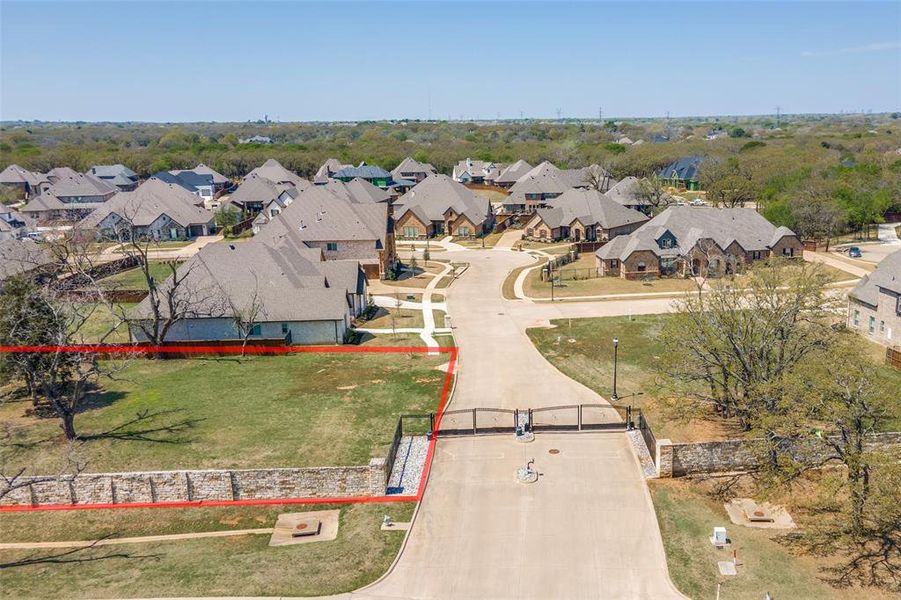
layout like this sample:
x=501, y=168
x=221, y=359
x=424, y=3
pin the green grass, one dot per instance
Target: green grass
x=386, y=318
x=239, y=566
x=294, y=411
x=133, y=279
x=101, y=320
x=489, y=240
x=583, y=350
x=687, y=518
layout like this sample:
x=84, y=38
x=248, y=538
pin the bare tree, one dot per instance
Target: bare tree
x=816, y=215
x=597, y=178
x=246, y=314
x=652, y=192
x=728, y=183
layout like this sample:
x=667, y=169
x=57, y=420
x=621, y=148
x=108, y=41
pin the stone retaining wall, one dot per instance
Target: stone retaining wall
x=677, y=460
x=192, y=486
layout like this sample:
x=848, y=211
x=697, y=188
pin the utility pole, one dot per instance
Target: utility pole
x=559, y=112
x=600, y=114
x=778, y=112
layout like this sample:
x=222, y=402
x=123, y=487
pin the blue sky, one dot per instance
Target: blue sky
x=234, y=61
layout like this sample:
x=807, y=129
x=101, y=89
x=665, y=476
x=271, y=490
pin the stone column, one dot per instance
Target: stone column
x=664, y=458
x=378, y=476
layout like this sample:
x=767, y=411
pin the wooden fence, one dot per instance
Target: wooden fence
x=893, y=357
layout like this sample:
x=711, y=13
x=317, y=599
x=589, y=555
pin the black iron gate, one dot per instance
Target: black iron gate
x=570, y=417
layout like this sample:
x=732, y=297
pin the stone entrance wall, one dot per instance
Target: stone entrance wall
x=193, y=486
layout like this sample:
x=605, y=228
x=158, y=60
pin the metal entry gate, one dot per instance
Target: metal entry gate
x=570, y=417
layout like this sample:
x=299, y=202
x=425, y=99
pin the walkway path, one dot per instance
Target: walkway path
x=174, y=537
x=586, y=529
x=888, y=233
x=826, y=259
x=182, y=253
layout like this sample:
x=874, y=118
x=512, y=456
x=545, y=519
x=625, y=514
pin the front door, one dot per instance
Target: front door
x=173, y=233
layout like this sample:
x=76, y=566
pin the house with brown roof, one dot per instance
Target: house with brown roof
x=155, y=210
x=287, y=293
x=582, y=215
x=342, y=228
x=687, y=241
x=68, y=196
x=438, y=205
x=874, y=305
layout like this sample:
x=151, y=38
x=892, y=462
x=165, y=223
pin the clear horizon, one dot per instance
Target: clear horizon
x=233, y=62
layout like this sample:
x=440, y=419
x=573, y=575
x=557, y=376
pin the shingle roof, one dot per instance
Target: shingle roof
x=409, y=165
x=686, y=168
x=887, y=276
x=690, y=224
x=276, y=173
x=256, y=188
x=16, y=174
x=365, y=171
x=151, y=199
x=430, y=198
x=547, y=179
x=319, y=215
x=112, y=172
x=64, y=182
x=21, y=256
x=512, y=173
x=330, y=166
x=357, y=190
x=285, y=284
x=187, y=180
x=627, y=192
x=589, y=207
x=202, y=169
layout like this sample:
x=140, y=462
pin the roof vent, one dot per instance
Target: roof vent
x=302, y=226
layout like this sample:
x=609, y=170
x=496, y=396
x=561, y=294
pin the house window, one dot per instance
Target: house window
x=871, y=324
x=788, y=251
x=410, y=232
x=284, y=329
x=642, y=267
x=256, y=330
x=857, y=318
x=331, y=246
x=898, y=306
x=464, y=231
x=881, y=326
x=614, y=263
x=757, y=255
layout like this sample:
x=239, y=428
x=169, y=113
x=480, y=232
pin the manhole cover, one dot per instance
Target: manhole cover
x=553, y=451
x=758, y=513
x=302, y=526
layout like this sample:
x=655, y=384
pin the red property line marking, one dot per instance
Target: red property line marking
x=119, y=349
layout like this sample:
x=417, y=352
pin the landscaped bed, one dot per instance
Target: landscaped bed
x=240, y=565
x=299, y=410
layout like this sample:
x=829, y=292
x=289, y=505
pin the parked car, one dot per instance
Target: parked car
x=697, y=202
x=854, y=252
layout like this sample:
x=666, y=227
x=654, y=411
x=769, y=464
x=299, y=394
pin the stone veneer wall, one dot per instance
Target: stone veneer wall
x=193, y=486
x=677, y=460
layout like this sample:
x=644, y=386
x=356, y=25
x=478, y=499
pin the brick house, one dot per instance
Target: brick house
x=582, y=214
x=68, y=196
x=438, y=205
x=685, y=241
x=874, y=305
x=546, y=181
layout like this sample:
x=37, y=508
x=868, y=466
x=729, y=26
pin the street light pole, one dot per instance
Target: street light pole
x=615, y=352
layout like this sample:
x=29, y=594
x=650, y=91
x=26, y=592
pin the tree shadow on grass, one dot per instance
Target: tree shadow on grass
x=81, y=554
x=150, y=426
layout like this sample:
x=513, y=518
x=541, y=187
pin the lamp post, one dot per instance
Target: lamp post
x=615, y=352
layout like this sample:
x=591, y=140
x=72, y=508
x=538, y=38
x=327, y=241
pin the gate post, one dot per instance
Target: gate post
x=474, y=427
x=629, y=418
x=580, y=417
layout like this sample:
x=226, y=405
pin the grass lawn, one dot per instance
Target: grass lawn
x=687, y=518
x=550, y=248
x=297, y=410
x=133, y=279
x=507, y=287
x=852, y=261
x=424, y=274
x=386, y=318
x=583, y=350
x=233, y=566
x=101, y=320
x=591, y=285
x=490, y=240
x=493, y=196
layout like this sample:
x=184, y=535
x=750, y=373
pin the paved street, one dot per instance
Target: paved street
x=586, y=529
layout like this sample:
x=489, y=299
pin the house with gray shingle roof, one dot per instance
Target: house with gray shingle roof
x=328, y=168
x=511, y=174
x=220, y=181
x=287, y=293
x=26, y=183
x=23, y=256
x=582, y=215
x=476, y=171
x=154, y=210
x=342, y=225
x=14, y=224
x=686, y=240
x=119, y=175
x=438, y=205
x=374, y=174
x=545, y=182
x=412, y=170
x=874, y=305
x=264, y=186
x=69, y=196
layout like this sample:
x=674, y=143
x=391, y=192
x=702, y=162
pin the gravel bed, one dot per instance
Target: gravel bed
x=408, y=465
x=644, y=457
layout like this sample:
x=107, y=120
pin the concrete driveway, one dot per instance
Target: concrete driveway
x=586, y=529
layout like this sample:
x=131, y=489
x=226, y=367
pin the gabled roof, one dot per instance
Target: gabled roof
x=112, y=172
x=64, y=182
x=513, y=172
x=148, y=202
x=14, y=174
x=283, y=284
x=685, y=168
x=627, y=192
x=21, y=256
x=189, y=180
x=486, y=169
x=689, y=225
x=590, y=208
x=546, y=178
x=357, y=190
x=256, y=188
x=365, y=171
x=409, y=165
x=330, y=166
x=430, y=198
x=887, y=276
x=319, y=215
x=276, y=173
x=202, y=169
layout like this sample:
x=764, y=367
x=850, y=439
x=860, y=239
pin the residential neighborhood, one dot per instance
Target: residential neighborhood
x=293, y=306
